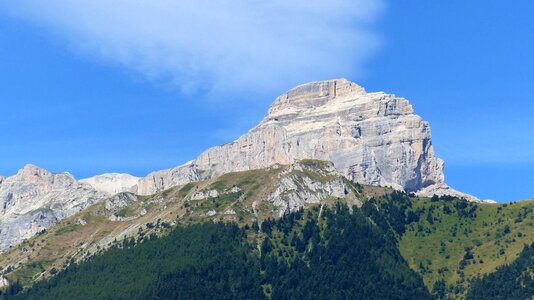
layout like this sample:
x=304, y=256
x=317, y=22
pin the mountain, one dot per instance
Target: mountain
x=113, y=183
x=336, y=192
x=372, y=139
x=241, y=197
x=34, y=199
x=449, y=242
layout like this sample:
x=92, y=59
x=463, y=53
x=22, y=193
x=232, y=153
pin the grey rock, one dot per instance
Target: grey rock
x=443, y=189
x=372, y=138
x=113, y=183
x=3, y=282
x=119, y=201
x=35, y=199
x=295, y=191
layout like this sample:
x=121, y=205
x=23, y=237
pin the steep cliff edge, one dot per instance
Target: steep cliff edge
x=372, y=138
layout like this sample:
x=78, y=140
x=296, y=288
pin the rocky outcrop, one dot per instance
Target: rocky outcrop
x=442, y=190
x=113, y=183
x=162, y=180
x=372, y=138
x=119, y=201
x=296, y=189
x=287, y=188
x=3, y=282
x=34, y=199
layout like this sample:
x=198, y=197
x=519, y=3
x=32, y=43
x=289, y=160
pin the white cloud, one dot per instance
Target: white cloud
x=214, y=45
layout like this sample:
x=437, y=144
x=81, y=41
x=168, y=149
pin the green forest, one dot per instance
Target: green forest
x=514, y=281
x=336, y=253
x=396, y=246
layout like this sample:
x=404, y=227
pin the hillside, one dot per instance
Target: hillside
x=237, y=197
x=449, y=242
x=515, y=280
x=35, y=199
x=324, y=253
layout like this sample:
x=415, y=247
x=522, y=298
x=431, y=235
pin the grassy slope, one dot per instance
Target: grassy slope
x=512, y=281
x=496, y=234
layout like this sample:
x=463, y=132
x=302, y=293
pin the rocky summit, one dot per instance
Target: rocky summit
x=372, y=138
x=113, y=183
x=34, y=199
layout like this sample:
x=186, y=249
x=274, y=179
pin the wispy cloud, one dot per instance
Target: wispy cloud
x=214, y=45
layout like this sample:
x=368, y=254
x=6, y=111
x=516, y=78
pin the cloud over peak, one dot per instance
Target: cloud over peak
x=201, y=45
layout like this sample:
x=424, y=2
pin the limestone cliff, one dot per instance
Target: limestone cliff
x=372, y=138
x=34, y=199
x=113, y=183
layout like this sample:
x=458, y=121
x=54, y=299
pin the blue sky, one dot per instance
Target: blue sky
x=88, y=88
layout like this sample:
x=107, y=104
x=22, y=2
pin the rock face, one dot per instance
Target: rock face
x=372, y=138
x=113, y=183
x=295, y=191
x=119, y=201
x=34, y=199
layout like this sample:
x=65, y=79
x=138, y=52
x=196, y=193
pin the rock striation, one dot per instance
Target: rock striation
x=371, y=138
x=296, y=190
x=113, y=183
x=35, y=199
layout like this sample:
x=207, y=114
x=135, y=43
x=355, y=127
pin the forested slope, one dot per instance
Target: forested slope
x=513, y=281
x=337, y=255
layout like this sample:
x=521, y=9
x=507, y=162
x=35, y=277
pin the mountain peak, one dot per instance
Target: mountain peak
x=113, y=183
x=34, y=199
x=371, y=138
x=314, y=94
x=32, y=171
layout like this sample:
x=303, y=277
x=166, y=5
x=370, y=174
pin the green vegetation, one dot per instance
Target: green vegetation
x=186, y=189
x=128, y=211
x=514, y=281
x=211, y=260
x=451, y=242
x=340, y=255
x=67, y=229
x=217, y=203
